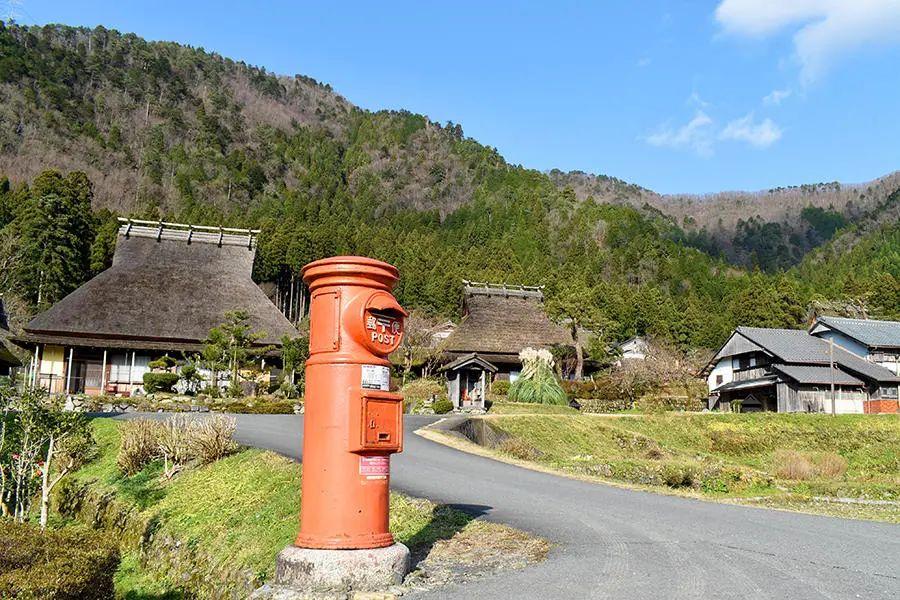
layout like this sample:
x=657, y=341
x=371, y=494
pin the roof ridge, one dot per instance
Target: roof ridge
x=187, y=232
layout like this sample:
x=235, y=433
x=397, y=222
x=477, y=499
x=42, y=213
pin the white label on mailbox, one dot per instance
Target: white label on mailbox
x=376, y=377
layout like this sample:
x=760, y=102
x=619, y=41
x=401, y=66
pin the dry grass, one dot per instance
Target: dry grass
x=211, y=439
x=139, y=447
x=490, y=545
x=518, y=448
x=799, y=466
x=177, y=440
x=790, y=464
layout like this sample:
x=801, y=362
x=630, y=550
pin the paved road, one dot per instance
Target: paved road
x=621, y=544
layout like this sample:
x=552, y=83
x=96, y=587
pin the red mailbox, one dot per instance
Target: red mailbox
x=353, y=422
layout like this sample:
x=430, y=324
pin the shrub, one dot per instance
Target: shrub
x=67, y=564
x=256, y=408
x=173, y=440
x=210, y=439
x=163, y=362
x=791, y=464
x=155, y=383
x=657, y=404
x=830, y=465
x=178, y=441
x=138, y=447
x=417, y=393
x=500, y=387
x=537, y=383
x=442, y=406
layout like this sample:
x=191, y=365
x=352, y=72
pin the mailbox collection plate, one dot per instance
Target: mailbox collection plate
x=378, y=419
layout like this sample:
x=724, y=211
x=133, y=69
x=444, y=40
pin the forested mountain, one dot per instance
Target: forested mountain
x=163, y=131
x=770, y=229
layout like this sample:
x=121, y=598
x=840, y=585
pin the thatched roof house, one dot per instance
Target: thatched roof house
x=169, y=284
x=8, y=359
x=498, y=322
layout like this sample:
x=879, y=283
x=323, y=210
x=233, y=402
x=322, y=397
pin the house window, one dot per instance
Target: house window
x=743, y=362
x=888, y=392
x=720, y=379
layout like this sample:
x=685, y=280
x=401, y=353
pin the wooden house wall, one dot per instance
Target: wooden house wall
x=793, y=398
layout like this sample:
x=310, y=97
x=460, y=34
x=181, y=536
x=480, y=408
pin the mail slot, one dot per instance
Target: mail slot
x=352, y=421
x=379, y=419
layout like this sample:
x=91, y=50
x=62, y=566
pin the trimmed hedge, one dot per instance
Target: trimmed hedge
x=257, y=408
x=442, y=406
x=653, y=404
x=66, y=564
x=155, y=383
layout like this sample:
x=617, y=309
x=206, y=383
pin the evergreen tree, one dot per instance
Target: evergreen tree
x=55, y=230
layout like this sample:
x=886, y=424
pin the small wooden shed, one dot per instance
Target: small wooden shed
x=468, y=378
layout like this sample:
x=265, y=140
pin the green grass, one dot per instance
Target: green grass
x=133, y=582
x=524, y=408
x=724, y=456
x=242, y=509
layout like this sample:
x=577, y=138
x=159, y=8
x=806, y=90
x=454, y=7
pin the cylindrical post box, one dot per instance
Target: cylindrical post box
x=352, y=421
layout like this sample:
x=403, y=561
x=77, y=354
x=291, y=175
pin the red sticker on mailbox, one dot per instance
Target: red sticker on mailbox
x=375, y=467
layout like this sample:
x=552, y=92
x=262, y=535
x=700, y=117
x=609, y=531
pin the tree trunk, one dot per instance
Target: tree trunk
x=45, y=485
x=579, y=354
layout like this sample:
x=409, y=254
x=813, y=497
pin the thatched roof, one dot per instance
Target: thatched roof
x=6, y=355
x=500, y=320
x=167, y=287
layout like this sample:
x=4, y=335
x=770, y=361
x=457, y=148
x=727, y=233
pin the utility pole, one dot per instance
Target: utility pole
x=831, y=365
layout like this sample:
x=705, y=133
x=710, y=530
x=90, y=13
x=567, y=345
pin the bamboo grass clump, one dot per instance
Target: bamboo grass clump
x=537, y=383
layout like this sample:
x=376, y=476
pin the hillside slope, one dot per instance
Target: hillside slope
x=165, y=131
x=770, y=229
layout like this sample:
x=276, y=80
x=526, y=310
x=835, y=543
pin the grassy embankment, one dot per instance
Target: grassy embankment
x=243, y=510
x=845, y=466
x=521, y=408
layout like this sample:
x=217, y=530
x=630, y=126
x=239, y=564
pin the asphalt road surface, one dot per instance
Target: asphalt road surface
x=621, y=544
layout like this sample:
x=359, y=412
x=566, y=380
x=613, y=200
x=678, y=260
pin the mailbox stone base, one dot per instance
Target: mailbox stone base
x=313, y=570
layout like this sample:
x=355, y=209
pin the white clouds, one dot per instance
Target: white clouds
x=695, y=135
x=775, y=97
x=644, y=61
x=760, y=135
x=827, y=28
x=695, y=100
x=701, y=134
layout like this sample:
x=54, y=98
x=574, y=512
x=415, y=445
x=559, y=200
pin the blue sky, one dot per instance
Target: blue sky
x=675, y=96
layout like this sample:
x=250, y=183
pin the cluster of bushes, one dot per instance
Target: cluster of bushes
x=65, y=564
x=419, y=394
x=604, y=405
x=652, y=403
x=500, y=387
x=799, y=466
x=255, y=408
x=617, y=392
x=160, y=383
x=710, y=478
x=177, y=441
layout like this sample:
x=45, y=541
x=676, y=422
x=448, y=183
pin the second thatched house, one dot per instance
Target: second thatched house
x=499, y=321
x=8, y=360
x=169, y=284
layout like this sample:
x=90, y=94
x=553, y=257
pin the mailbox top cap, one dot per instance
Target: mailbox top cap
x=350, y=270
